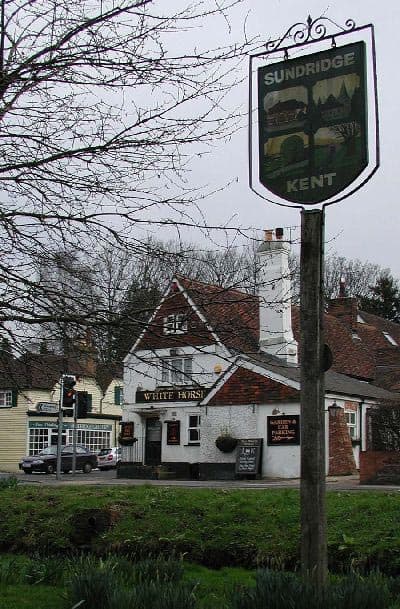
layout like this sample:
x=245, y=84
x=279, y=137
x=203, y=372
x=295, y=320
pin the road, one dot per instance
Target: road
x=109, y=477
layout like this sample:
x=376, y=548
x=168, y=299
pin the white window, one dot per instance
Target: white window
x=175, y=324
x=38, y=439
x=194, y=429
x=351, y=420
x=5, y=399
x=94, y=440
x=176, y=371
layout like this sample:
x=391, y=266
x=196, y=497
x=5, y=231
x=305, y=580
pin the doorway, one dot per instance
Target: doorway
x=153, y=442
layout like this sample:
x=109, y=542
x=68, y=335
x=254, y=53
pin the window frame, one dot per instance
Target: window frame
x=176, y=374
x=176, y=323
x=8, y=395
x=118, y=395
x=352, y=427
x=196, y=427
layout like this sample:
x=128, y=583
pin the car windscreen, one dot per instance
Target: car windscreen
x=104, y=451
x=50, y=450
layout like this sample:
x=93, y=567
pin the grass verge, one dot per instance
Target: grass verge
x=211, y=527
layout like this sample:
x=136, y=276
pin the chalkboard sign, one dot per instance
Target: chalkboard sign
x=283, y=430
x=248, y=456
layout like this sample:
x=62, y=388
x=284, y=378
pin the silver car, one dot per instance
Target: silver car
x=108, y=458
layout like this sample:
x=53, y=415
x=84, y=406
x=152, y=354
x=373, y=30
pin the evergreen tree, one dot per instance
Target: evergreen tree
x=385, y=298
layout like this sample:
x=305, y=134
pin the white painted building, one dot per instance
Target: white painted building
x=215, y=361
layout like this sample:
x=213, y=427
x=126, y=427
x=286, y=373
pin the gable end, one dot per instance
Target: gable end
x=248, y=387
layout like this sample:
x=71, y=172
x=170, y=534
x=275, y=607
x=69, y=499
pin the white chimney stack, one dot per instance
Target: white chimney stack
x=276, y=335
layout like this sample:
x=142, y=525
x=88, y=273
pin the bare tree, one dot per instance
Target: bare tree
x=102, y=104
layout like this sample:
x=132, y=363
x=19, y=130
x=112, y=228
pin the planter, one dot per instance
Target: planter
x=126, y=441
x=226, y=444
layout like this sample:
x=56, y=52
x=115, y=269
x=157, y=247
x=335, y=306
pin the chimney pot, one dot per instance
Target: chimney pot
x=268, y=235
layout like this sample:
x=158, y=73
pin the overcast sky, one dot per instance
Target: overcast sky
x=364, y=226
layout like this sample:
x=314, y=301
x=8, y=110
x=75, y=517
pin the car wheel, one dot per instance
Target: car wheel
x=27, y=471
x=50, y=469
x=65, y=471
x=87, y=468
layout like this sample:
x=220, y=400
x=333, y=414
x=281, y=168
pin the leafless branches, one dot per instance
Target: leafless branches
x=101, y=106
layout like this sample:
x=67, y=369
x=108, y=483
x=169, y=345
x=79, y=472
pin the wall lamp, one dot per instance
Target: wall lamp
x=334, y=410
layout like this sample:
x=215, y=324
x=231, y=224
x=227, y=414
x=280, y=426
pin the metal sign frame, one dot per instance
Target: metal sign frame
x=296, y=37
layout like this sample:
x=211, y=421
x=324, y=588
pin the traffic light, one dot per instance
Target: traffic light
x=69, y=394
x=82, y=404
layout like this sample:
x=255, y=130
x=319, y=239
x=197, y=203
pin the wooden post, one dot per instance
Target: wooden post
x=312, y=487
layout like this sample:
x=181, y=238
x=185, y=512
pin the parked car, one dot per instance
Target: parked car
x=108, y=458
x=46, y=460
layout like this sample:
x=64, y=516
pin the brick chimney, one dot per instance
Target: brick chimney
x=276, y=335
x=344, y=308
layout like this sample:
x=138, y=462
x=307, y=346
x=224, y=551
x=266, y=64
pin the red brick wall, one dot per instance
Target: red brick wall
x=379, y=467
x=248, y=387
x=345, y=309
x=341, y=458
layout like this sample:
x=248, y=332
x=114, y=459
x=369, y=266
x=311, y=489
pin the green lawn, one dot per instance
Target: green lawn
x=211, y=527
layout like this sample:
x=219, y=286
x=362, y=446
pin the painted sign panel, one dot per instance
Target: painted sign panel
x=127, y=430
x=313, y=124
x=283, y=430
x=173, y=432
x=169, y=394
x=248, y=456
x=51, y=425
x=48, y=407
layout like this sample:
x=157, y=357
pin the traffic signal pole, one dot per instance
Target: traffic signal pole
x=60, y=428
x=74, y=435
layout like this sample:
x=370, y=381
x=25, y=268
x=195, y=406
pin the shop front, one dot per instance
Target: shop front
x=45, y=433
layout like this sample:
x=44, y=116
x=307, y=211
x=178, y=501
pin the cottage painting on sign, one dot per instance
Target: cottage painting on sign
x=313, y=124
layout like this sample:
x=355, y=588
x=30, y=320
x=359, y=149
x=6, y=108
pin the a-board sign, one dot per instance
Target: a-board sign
x=313, y=124
x=248, y=456
x=283, y=430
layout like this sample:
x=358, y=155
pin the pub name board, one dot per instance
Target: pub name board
x=313, y=124
x=283, y=430
x=188, y=394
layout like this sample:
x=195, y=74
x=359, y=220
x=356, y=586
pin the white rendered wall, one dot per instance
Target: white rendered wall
x=141, y=370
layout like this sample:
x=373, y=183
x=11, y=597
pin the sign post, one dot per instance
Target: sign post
x=315, y=147
x=312, y=400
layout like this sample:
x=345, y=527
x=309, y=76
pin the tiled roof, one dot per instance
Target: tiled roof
x=232, y=314
x=350, y=355
x=334, y=381
x=42, y=371
x=378, y=336
x=360, y=350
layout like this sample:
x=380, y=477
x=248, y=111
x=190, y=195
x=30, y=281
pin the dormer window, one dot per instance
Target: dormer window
x=390, y=339
x=175, y=324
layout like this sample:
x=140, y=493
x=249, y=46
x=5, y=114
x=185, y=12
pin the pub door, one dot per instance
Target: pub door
x=153, y=442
